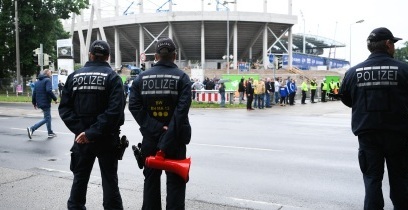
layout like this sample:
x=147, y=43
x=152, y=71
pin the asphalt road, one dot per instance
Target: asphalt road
x=297, y=157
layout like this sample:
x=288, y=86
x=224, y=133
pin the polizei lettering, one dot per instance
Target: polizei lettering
x=92, y=80
x=160, y=84
x=377, y=75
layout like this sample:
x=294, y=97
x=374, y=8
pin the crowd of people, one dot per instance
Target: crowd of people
x=264, y=93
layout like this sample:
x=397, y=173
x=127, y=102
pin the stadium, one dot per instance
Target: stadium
x=219, y=38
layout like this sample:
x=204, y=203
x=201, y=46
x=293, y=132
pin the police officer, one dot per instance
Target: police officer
x=377, y=92
x=313, y=87
x=92, y=107
x=323, y=87
x=304, y=91
x=160, y=100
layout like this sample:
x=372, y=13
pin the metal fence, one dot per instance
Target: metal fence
x=10, y=86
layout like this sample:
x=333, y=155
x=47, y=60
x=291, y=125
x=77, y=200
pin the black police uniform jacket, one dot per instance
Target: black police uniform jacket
x=161, y=96
x=93, y=102
x=377, y=92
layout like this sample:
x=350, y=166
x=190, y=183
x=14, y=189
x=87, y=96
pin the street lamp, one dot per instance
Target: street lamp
x=228, y=39
x=360, y=21
x=304, y=31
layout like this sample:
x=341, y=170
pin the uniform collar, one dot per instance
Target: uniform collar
x=379, y=54
x=97, y=63
x=166, y=63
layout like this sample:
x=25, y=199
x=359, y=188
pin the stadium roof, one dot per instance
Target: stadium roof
x=186, y=29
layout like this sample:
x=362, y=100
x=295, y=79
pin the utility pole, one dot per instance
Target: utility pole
x=41, y=58
x=17, y=43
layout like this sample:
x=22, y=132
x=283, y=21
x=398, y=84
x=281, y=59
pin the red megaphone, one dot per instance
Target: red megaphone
x=179, y=167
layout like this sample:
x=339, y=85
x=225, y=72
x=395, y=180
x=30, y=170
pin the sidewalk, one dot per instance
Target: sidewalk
x=33, y=190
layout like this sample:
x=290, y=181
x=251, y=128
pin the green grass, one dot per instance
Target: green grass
x=194, y=104
x=14, y=98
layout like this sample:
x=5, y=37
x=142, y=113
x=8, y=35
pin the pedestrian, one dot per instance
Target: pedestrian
x=250, y=94
x=221, y=90
x=276, y=94
x=292, y=92
x=304, y=91
x=162, y=114
x=197, y=85
x=379, y=103
x=126, y=88
x=60, y=86
x=41, y=98
x=32, y=85
x=92, y=107
x=269, y=92
x=241, y=90
x=283, y=92
x=260, y=92
x=324, y=87
x=313, y=87
x=255, y=85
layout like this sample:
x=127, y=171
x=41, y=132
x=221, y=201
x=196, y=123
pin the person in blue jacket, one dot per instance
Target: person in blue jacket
x=283, y=92
x=42, y=96
x=292, y=92
x=377, y=92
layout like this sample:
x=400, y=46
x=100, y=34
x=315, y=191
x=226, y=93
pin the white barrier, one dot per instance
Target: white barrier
x=212, y=96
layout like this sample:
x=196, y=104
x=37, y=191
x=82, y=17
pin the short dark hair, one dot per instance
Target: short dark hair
x=166, y=56
x=377, y=46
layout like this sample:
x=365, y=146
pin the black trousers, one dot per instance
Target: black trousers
x=250, y=98
x=82, y=160
x=323, y=95
x=374, y=149
x=176, y=186
x=303, y=97
x=292, y=98
x=312, y=95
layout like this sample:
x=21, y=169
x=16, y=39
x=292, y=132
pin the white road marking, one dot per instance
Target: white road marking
x=25, y=129
x=64, y=172
x=236, y=147
x=4, y=118
x=55, y=170
x=261, y=202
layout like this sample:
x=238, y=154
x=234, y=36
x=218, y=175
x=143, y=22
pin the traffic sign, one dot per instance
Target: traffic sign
x=142, y=57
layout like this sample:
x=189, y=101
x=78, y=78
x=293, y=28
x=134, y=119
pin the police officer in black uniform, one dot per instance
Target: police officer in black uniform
x=92, y=107
x=160, y=100
x=377, y=92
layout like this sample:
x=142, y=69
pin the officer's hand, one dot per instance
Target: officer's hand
x=82, y=139
x=35, y=106
x=160, y=154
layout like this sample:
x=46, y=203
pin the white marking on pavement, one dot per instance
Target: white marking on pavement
x=261, y=202
x=64, y=172
x=25, y=129
x=236, y=147
x=4, y=118
x=55, y=170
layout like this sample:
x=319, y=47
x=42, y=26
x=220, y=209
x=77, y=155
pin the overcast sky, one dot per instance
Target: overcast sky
x=328, y=18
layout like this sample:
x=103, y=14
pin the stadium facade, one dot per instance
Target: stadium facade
x=205, y=39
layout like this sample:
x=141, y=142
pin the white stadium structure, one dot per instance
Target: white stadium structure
x=203, y=38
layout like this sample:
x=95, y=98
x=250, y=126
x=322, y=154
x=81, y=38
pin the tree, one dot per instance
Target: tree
x=39, y=23
x=402, y=53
